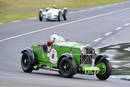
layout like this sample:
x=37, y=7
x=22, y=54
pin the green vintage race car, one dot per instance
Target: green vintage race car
x=68, y=58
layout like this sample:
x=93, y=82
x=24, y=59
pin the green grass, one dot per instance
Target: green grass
x=11, y=16
x=6, y=16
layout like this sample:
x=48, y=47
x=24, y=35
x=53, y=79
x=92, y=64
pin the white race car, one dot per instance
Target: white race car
x=53, y=14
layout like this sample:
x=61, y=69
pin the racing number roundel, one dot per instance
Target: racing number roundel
x=53, y=56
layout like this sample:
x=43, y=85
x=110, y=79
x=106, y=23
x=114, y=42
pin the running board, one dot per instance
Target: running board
x=50, y=68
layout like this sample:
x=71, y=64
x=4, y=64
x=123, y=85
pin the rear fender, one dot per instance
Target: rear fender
x=31, y=54
x=65, y=10
x=67, y=55
x=41, y=10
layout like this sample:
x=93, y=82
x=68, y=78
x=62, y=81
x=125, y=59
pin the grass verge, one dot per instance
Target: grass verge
x=12, y=16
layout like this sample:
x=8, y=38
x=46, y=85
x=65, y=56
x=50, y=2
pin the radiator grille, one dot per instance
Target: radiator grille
x=87, y=54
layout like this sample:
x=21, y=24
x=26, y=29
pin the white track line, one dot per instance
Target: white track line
x=71, y=12
x=31, y=18
x=115, y=4
x=123, y=2
x=98, y=39
x=82, y=10
x=105, y=6
x=108, y=5
x=109, y=33
x=1, y=23
x=91, y=8
x=120, y=3
x=118, y=28
x=100, y=7
x=16, y=21
x=59, y=25
x=127, y=24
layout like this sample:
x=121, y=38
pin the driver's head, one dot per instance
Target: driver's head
x=56, y=38
x=54, y=6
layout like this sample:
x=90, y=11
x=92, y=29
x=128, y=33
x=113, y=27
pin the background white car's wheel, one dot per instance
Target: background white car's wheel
x=64, y=14
x=64, y=17
x=40, y=16
x=59, y=16
x=47, y=19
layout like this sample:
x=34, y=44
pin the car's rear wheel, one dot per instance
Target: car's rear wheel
x=64, y=14
x=40, y=16
x=47, y=19
x=27, y=62
x=67, y=67
x=64, y=17
x=105, y=69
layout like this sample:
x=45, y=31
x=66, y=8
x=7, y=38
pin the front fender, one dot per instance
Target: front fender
x=100, y=57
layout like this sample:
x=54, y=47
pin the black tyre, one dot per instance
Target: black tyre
x=67, y=67
x=40, y=16
x=47, y=19
x=105, y=69
x=64, y=14
x=64, y=17
x=59, y=16
x=27, y=62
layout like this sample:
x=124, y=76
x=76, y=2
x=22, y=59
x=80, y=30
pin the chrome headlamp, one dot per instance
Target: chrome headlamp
x=97, y=50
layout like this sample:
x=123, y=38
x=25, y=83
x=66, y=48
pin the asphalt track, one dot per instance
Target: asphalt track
x=92, y=26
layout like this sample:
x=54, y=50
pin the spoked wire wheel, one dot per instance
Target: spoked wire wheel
x=27, y=62
x=67, y=67
x=105, y=69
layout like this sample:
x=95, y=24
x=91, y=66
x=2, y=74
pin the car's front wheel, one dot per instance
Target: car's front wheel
x=105, y=69
x=67, y=67
x=27, y=62
x=64, y=14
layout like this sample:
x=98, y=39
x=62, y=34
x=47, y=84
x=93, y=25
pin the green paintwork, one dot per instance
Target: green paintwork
x=69, y=44
x=88, y=70
x=102, y=67
x=61, y=48
x=42, y=57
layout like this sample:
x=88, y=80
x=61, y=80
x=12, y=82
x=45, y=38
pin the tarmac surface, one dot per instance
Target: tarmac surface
x=98, y=26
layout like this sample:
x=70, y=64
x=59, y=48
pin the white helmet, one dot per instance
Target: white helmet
x=57, y=38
